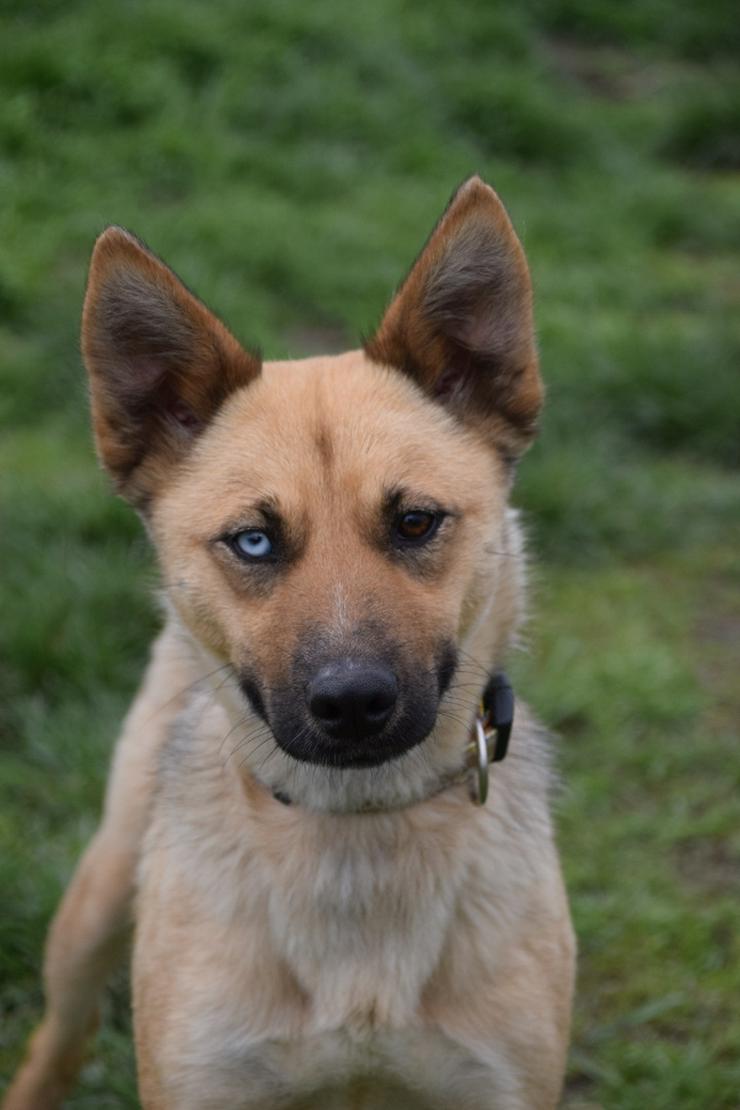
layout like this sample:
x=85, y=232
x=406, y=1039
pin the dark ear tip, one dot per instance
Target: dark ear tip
x=474, y=190
x=474, y=182
x=115, y=235
x=476, y=186
x=117, y=242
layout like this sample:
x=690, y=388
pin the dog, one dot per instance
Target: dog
x=324, y=917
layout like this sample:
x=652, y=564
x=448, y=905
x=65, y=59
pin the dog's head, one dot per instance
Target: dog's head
x=329, y=527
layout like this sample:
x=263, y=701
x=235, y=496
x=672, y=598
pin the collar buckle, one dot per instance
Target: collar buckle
x=478, y=761
x=493, y=722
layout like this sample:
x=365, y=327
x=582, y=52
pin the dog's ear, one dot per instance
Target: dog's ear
x=461, y=323
x=160, y=363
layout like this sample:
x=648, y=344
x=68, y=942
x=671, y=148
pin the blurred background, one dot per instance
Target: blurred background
x=288, y=159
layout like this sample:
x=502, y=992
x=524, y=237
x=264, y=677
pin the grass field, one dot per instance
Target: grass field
x=288, y=159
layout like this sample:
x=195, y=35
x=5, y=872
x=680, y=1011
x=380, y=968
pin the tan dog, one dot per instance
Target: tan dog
x=323, y=918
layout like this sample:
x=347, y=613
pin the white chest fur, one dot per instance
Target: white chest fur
x=361, y=915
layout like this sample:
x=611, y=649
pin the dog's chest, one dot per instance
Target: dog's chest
x=326, y=952
x=360, y=919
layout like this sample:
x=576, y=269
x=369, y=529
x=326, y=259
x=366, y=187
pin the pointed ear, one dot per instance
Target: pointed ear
x=160, y=363
x=461, y=323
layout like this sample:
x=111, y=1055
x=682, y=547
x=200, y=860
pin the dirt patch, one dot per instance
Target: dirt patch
x=607, y=72
x=720, y=628
x=717, y=633
x=710, y=866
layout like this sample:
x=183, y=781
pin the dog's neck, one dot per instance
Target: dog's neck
x=489, y=741
x=456, y=756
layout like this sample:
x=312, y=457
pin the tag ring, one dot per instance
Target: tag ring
x=479, y=781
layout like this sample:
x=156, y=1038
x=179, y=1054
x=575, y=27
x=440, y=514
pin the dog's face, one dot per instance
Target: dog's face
x=324, y=538
x=326, y=526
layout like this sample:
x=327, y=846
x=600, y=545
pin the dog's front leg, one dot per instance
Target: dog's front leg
x=89, y=932
x=84, y=943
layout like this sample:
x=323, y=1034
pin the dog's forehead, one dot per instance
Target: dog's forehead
x=339, y=421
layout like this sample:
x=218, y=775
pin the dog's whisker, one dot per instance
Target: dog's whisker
x=261, y=733
x=185, y=690
x=239, y=724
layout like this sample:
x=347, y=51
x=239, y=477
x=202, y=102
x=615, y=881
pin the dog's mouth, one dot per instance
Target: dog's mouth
x=352, y=713
x=314, y=747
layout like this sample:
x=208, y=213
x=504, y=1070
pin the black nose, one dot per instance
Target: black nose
x=352, y=700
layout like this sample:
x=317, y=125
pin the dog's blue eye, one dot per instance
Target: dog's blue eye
x=252, y=544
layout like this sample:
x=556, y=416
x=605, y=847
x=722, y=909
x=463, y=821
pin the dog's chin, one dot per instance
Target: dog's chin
x=323, y=751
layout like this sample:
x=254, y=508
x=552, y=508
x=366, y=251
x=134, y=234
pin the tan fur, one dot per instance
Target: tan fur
x=312, y=956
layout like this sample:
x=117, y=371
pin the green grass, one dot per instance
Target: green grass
x=288, y=159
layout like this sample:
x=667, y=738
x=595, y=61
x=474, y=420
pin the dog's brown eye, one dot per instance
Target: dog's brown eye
x=417, y=525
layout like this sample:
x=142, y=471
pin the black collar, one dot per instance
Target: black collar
x=497, y=703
